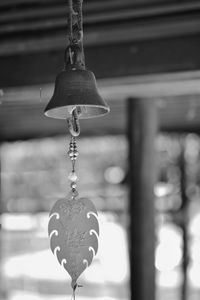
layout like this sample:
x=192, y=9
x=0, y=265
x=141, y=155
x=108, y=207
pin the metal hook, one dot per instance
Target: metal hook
x=73, y=123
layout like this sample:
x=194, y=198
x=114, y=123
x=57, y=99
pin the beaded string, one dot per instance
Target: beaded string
x=74, y=129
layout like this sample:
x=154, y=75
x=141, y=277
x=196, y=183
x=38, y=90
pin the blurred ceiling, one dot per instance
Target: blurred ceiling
x=124, y=41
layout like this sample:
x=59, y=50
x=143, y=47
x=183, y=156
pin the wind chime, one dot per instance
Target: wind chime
x=73, y=226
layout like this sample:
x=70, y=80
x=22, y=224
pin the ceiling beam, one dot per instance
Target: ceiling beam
x=108, y=61
x=43, y=28
x=94, y=36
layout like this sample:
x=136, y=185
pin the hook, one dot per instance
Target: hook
x=73, y=123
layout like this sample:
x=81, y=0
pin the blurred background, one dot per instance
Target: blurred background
x=140, y=164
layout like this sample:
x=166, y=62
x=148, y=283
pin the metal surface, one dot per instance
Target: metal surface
x=73, y=231
x=76, y=88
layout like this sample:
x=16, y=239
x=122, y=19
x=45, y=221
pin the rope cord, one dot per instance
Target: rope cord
x=70, y=13
x=75, y=27
x=74, y=290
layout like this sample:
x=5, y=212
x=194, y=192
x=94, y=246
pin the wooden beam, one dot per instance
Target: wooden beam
x=96, y=35
x=37, y=9
x=142, y=127
x=42, y=26
x=110, y=61
x=183, y=219
x=42, y=17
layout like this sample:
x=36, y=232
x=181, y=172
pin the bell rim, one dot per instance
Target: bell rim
x=105, y=109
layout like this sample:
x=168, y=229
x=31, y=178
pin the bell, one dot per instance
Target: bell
x=76, y=88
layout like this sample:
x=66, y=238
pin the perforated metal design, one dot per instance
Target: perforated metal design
x=73, y=230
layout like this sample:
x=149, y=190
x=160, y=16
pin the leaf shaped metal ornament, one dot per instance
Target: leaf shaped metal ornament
x=73, y=230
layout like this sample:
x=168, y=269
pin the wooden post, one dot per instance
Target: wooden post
x=2, y=287
x=142, y=128
x=184, y=220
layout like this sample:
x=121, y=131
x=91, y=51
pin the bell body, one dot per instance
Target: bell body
x=76, y=88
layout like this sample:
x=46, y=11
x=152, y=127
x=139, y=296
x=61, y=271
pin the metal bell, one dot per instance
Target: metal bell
x=76, y=88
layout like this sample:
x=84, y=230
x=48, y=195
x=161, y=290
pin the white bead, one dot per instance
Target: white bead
x=73, y=177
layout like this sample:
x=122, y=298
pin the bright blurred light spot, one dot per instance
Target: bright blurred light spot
x=195, y=225
x=195, y=252
x=18, y=222
x=113, y=252
x=19, y=295
x=167, y=256
x=114, y=175
x=194, y=275
x=168, y=252
x=169, y=234
x=168, y=279
x=163, y=189
x=94, y=273
x=40, y=265
x=42, y=225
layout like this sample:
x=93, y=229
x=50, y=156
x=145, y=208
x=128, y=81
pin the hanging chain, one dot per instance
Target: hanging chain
x=75, y=53
x=75, y=32
x=74, y=129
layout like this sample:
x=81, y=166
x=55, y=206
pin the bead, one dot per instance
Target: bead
x=73, y=177
x=73, y=185
x=73, y=194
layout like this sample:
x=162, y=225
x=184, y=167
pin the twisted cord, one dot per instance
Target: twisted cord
x=75, y=27
x=70, y=14
x=78, y=4
x=74, y=290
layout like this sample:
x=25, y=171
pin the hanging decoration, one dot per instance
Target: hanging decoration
x=73, y=225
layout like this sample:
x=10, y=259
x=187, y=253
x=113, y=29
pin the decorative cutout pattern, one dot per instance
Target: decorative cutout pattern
x=73, y=230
